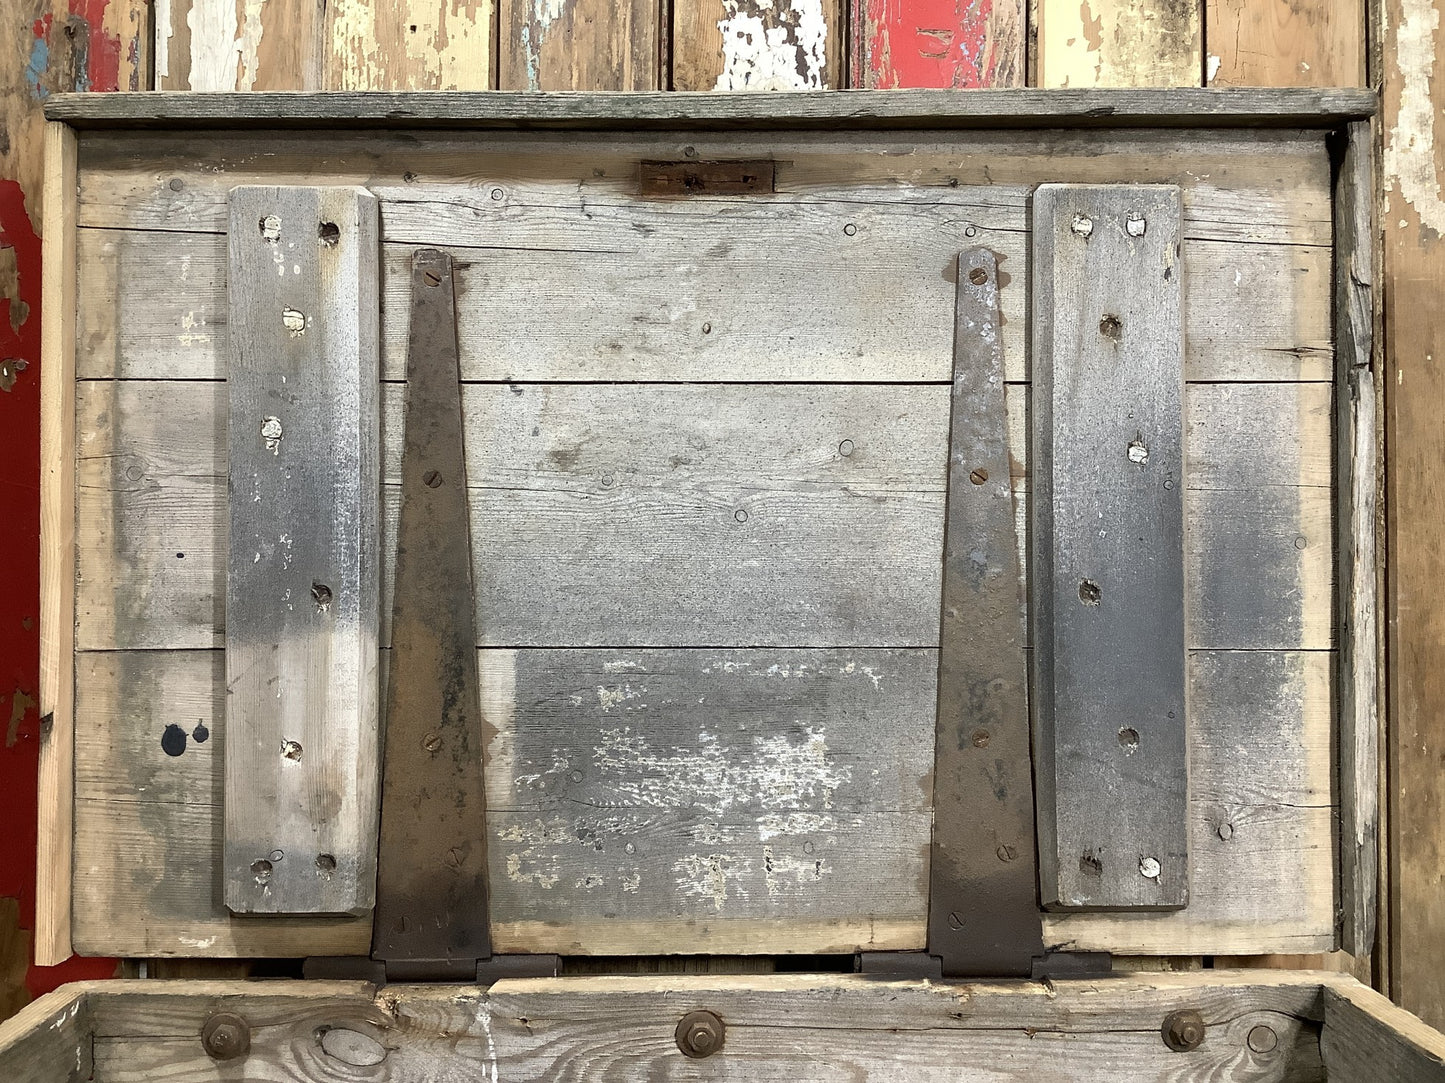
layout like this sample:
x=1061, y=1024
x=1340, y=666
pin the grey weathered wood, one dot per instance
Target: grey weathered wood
x=1253, y=311
x=816, y=1027
x=49, y=1040
x=152, y=487
x=1357, y=493
x=303, y=577
x=1108, y=573
x=148, y=823
x=721, y=801
x=1013, y=108
x=1366, y=1038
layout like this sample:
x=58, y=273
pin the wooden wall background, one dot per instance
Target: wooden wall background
x=757, y=45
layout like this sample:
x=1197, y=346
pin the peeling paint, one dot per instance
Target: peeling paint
x=773, y=824
x=963, y=44
x=1409, y=159
x=769, y=46
x=20, y=705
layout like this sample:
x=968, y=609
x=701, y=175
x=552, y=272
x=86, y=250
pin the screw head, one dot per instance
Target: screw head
x=431, y=278
x=1183, y=1030
x=978, y=476
x=431, y=742
x=226, y=1036
x=700, y=1034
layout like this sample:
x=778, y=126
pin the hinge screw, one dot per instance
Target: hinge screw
x=1183, y=1030
x=226, y=1036
x=700, y=1034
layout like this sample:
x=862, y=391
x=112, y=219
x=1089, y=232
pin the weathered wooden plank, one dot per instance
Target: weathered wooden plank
x=937, y=43
x=49, y=1040
x=57, y=552
x=719, y=801
x=1254, y=312
x=1365, y=1037
x=1261, y=836
x=731, y=45
x=1284, y=43
x=1107, y=580
x=578, y=45
x=149, y=825
x=1413, y=219
x=1357, y=493
x=1120, y=43
x=303, y=576
x=401, y=45
x=1005, y=108
x=214, y=45
x=837, y=1027
x=625, y=461
x=149, y=808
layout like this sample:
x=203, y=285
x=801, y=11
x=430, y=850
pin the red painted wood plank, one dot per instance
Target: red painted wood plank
x=961, y=44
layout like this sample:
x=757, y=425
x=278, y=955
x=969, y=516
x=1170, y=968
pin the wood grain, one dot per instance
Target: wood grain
x=303, y=572
x=1365, y=1037
x=1413, y=218
x=49, y=1040
x=57, y=552
x=1320, y=109
x=937, y=43
x=1107, y=581
x=152, y=487
x=216, y=45
x=837, y=1027
x=1120, y=43
x=408, y=45
x=1284, y=43
x=750, y=45
x=580, y=45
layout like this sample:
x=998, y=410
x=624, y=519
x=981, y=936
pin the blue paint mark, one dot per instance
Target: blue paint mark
x=35, y=70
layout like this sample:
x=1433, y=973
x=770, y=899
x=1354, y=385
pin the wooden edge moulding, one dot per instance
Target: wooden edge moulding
x=1112, y=247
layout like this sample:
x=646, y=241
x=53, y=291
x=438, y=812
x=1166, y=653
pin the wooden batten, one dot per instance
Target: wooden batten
x=57, y=551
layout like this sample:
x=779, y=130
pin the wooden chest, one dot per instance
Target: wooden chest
x=716, y=400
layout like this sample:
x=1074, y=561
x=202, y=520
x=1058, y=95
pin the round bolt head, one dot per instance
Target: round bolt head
x=1183, y=1030
x=700, y=1034
x=226, y=1036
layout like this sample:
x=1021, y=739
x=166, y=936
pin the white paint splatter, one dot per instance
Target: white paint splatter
x=540, y=877
x=706, y=876
x=773, y=47
x=197, y=942
x=778, y=866
x=608, y=698
x=1409, y=159
x=773, y=824
x=1214, y=62
x=484, y=1017
x=624, y=665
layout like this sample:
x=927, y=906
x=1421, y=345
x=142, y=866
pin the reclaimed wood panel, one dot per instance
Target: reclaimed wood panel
x=769, y=505
x=837, y=1027
x=1284, y=43
x=302, y=574
x=1108, y=573
x=220, y=45
x=1413, y=219
x=408, y=45
x=1365, y=1037
x=50, y=1036
x=580, y=45
x=751, y=45
x=1120, y=43
x=963, y=44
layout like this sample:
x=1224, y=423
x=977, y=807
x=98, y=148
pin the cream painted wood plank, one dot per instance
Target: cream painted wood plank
x=837, y=1027
x=755, y=493
x=1266, y=185
x=580, y=45
x=1120, y=43
x=57, y=551
x=751, y=45
x=408, y=45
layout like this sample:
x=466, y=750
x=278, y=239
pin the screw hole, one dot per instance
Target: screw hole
x=261, y=870
x=1129, y=737
x=325, y=864
x=321, y=595
x=1110, y=327
x=291, y=750
x=328, y=233
x=1089, y=592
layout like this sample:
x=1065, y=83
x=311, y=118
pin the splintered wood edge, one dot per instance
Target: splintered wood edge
x=1358, y=495
x=1185, y=107
x=57, y=550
